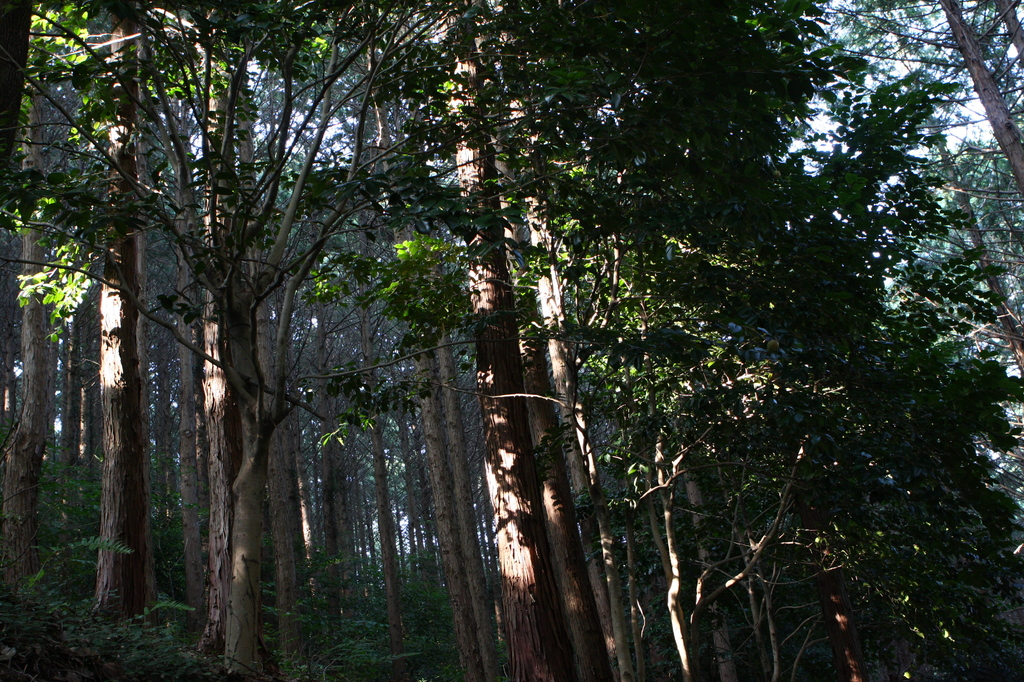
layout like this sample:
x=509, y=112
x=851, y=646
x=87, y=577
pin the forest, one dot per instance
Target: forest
x=526, y=340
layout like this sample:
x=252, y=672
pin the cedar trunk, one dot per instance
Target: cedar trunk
x=223, y=435
x=452, y=558
x=25, y=456
x=188, y=472
x=464, y=511
x=535, y=626
x=835, y=602
x=592, y=662
x=124, y=581
x=15, y=23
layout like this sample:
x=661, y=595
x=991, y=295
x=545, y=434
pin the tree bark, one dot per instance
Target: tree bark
x=284, y=506
x=452, y=558
x=464, y=512
x=591, y=654
x=24, y=460
x=124, y=581
x=223, y=435
x=243, y=627
x=835, y=602
x=1008, y=13
x=996, y=109
x=15, y=23
x=188, y=468
x=385, y=519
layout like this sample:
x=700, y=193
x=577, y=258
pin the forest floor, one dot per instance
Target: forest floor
x=42, y=642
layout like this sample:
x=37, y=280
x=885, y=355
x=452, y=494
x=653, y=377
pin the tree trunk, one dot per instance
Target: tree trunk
x=563, y=370
x=71, y=408
x=677, y=614
x=535, y=626
x=124, y=581
x=452, y=558
x=634, y=601
x=385, y=520
x=996, y=109
x=723, y=647
x=25, y=454
x=243, y=627
x=223, y=435
x=188, y=468
x=591, y=654
x=284, y=506
x=464, y=511
x=15, y=23
x=835, y=602
x=1008, y=13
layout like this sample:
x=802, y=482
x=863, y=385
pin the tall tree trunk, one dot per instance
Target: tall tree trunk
x=188, y=468
x=223, y=434
x=634, y=601
x=563, y=370
x=464, y=510
x=582, y=461
x=71, y=408
x=124, y=581
x=284, y=506
x=835, y=602
x=535, y=626
x=723, y=646
x=996, y=109
x=24, y=460
x=283, y=495
x=15, y=23
x=452, y=557
x=591, y=654
x=386, y=528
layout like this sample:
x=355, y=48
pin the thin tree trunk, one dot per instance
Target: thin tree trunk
x=473, y=566
x=634, y=600
x=452, y=558
x=677, y=615
x=24, y=460
x=1013, y=331
x=592, y=662
x=188, y=472
x=284, y=502
x=563, y=371
x=835, y=602
x=385, y=520
x=124, y=581
x=71, y=410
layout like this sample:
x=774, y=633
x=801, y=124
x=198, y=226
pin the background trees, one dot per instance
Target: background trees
x=765, y=398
